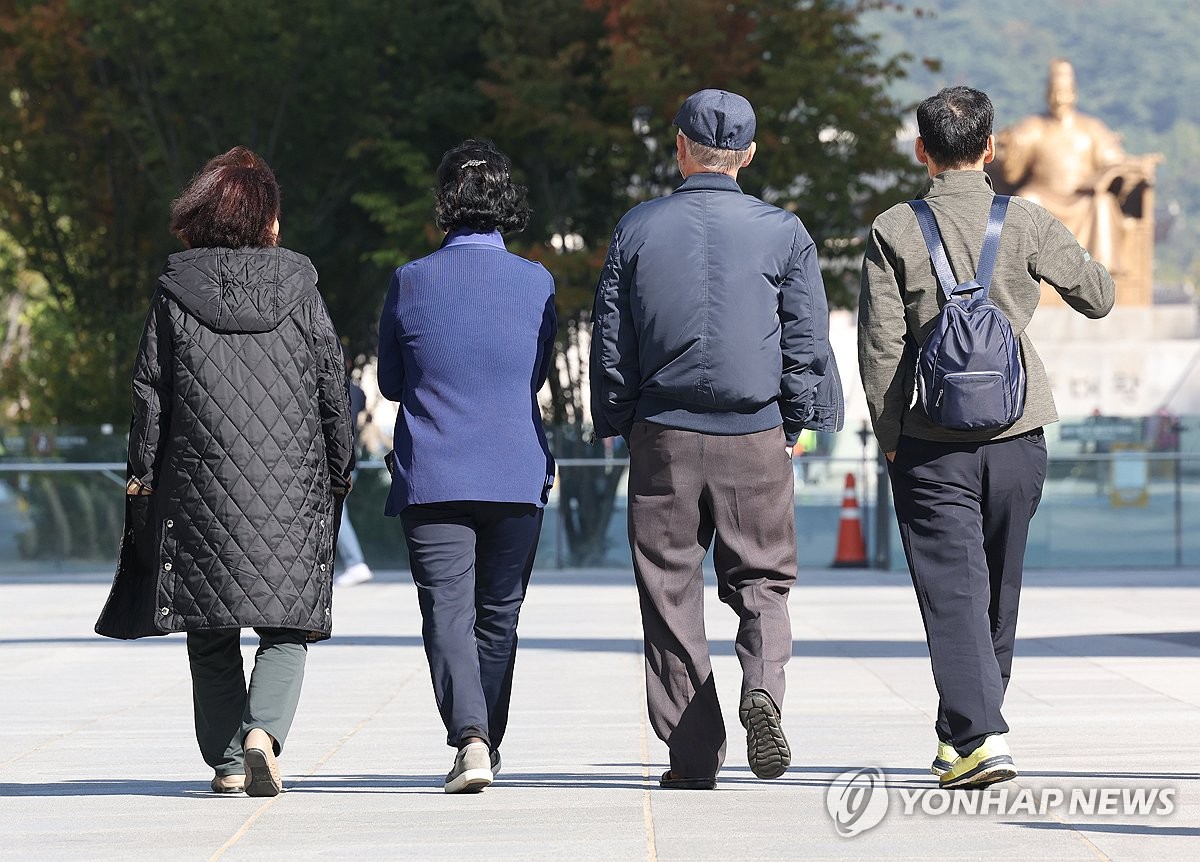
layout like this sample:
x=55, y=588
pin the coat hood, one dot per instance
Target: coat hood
x=239, y=290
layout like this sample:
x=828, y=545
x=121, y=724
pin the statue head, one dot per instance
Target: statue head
x=1060, y=88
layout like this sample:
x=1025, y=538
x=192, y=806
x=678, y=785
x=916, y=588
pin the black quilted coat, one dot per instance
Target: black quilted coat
x=241, y=424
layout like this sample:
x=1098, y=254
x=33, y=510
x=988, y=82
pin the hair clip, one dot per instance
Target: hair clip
x=474, y=163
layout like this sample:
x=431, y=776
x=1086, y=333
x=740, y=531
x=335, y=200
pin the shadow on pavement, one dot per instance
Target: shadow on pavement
x=631, y=780
x=1114, y=828
x=902, y=772
x=112, y=787
x=909, y=776
x=628, y=778
x=319, y=784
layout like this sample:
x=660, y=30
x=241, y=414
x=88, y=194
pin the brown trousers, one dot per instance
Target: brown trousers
x=685, y=488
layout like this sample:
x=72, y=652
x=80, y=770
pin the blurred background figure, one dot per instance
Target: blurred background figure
x=349, y=552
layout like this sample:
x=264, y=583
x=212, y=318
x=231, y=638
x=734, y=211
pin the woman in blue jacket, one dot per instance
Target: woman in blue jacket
x=465, y=342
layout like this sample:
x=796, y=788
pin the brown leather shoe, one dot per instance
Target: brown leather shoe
x=228, y=784
x=262, y=769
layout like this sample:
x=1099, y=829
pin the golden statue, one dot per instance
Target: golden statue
x=1075, y=167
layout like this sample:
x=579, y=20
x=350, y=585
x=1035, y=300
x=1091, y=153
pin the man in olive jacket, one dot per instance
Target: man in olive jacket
x=964, y=499
x=710, y=354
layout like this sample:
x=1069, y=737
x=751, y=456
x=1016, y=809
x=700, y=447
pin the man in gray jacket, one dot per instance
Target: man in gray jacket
x=710, y=353
x=964, y=499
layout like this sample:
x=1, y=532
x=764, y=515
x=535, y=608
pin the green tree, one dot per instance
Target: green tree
x=65, y=180
x=116, y=103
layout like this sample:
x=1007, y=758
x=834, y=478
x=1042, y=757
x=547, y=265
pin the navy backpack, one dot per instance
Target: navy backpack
x=969, y=372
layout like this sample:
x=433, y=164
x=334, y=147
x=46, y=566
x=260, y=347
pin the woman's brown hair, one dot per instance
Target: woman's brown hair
x=232, y=203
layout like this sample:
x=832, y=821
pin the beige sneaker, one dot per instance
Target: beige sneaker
x=472, y=769
x=262, y=769
x=228, y=783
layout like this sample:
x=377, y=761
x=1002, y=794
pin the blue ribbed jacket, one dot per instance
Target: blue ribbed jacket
x=465, y=342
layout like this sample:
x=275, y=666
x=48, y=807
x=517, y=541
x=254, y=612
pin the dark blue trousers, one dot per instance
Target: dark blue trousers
x=471, y=563
x=964, y=512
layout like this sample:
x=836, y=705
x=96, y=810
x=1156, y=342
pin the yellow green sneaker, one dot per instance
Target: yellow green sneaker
x=946, y=755
x=987, y=764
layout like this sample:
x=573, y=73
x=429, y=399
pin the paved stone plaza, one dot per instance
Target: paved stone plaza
x=97, y=758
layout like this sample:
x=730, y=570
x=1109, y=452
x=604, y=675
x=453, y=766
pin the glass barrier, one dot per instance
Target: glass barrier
x=1125, y=507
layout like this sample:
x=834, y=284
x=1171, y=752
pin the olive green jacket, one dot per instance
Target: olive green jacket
x=900, y=298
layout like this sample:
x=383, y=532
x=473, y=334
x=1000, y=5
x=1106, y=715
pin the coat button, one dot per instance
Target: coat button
x=322, y=567
x=166, y=567
x=169, y=523
x=164, y=611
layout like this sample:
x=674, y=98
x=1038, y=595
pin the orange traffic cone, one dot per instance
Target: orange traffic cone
x=851, y=549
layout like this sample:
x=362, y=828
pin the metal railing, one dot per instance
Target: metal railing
x=1098, y=509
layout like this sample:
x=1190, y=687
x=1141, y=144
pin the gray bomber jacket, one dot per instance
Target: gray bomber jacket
x=710, y=316
x=900, y=298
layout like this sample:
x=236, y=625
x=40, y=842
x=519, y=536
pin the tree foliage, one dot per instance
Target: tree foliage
x=113, y=104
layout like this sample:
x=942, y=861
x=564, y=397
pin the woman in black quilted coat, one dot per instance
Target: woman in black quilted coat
x=239, y=453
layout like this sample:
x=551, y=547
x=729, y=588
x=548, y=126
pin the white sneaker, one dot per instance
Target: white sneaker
x=472, y=769
x=359, y=573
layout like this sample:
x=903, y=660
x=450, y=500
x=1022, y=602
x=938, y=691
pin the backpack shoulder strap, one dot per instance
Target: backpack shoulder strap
x=933, y=242
x=991, y=241
x=937, y=251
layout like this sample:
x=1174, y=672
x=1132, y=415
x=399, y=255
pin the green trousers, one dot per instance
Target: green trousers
x=226, y=710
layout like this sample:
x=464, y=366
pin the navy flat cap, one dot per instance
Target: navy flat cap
x=716, y=118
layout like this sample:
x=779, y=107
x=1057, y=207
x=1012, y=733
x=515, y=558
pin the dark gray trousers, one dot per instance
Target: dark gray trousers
x=471, y=563
x=964, y=512
x=225, y=709
x=685, y=488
